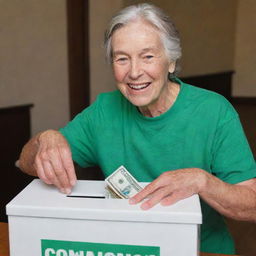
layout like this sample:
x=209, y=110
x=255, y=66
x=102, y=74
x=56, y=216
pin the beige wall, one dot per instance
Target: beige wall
x=33, y=59
x=245, y=54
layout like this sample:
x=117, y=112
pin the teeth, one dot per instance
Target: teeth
x=138, y=86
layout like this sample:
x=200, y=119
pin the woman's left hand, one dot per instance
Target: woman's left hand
x=170, y=187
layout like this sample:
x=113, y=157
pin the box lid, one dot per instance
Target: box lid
x=87, y=202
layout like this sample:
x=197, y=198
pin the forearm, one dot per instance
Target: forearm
x=234, y=201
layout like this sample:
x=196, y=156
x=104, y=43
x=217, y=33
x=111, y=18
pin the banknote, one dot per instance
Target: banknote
x=110, y=193
x=121, y=184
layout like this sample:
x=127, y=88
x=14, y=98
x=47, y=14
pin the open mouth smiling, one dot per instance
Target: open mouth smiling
x=138, y=86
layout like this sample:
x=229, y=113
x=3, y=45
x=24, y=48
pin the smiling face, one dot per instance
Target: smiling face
x=140, y=64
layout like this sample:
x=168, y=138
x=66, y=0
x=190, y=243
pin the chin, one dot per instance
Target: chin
x=139, y=102
x=138, y=99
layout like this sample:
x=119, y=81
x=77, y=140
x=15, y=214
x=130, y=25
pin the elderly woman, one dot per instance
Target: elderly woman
x=184, y=139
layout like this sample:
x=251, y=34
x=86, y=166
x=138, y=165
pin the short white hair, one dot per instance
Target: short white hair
x=155, y=16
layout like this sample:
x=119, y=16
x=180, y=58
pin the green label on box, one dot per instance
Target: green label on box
x=69, y=248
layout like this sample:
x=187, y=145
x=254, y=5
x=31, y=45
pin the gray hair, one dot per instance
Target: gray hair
x=168, y=32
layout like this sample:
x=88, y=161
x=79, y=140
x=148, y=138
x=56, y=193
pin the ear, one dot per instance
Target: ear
x=172, y=66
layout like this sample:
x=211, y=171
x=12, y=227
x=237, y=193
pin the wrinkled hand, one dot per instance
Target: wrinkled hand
x=170, y=187
x=53, y=161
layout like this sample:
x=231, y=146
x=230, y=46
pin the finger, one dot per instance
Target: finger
x=175, y=197
x=41, y=158
x=50, y=174
x=147, y=191
x=172, y=199
x=67, y=162
x=40, y=171
x=144, y=193
x=60, y=172
x=156, y=198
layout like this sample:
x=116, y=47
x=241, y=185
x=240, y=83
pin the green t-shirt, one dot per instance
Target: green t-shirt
x=200, y=130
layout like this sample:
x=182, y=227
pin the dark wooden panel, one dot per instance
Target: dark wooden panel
x=244, y=100
x=247, y=113
x=78, y=55
x=14, y=133
x=219, y=82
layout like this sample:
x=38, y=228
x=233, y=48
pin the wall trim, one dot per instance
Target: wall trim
x=228, y=72
x=243, y=100
x=15, y=108
x=219, y=82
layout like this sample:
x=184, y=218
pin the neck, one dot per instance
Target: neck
x=163, y=103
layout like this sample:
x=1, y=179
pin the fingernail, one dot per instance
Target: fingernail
x=62, y=190
x=73, y=183
x=67, y=191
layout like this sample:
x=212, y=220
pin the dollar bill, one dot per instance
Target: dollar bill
x=110, y=193
x=121, y=184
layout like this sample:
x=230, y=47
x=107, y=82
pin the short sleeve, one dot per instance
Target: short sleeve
x=79, y=134
x=233, y=161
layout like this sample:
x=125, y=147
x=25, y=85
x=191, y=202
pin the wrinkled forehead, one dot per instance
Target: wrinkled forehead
x=136, y=32
x=138, y=22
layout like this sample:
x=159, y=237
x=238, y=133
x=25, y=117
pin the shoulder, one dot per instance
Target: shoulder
x=109, y=102
x=210, y=103
x=102, y=111
x=203, y=95
x=109, y=98
x=105, y=106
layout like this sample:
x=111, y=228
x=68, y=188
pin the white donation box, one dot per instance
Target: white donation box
x=44, y=222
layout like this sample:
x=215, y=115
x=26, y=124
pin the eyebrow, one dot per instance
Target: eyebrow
x=148, y=49
x=119, y=52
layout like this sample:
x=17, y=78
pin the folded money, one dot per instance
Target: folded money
x=121, y=184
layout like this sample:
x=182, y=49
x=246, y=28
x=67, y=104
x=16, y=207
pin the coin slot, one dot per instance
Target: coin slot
x=84, y=196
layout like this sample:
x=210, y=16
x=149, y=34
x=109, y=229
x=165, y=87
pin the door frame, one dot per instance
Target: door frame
x=78, y=55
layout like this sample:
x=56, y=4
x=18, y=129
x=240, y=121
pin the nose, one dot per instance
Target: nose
x=135, y=69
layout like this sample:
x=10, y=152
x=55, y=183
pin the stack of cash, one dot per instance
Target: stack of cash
x=121, y=184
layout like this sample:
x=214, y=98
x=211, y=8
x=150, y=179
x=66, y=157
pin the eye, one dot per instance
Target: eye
x=121, y=60
x=148, y=58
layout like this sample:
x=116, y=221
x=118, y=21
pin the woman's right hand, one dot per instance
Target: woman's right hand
x=49, y=155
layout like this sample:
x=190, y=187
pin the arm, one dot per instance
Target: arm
x=235, y=201
x=48, y=156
